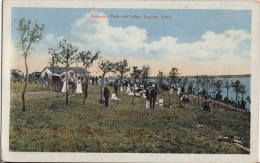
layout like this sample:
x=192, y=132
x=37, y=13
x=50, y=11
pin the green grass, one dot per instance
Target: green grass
x=49, y=125
x=16, y=87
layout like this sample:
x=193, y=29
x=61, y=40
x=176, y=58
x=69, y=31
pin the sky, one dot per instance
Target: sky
x=198, y=42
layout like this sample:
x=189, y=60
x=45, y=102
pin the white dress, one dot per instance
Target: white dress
x=64, y=85
x=128, y=90
x=179, y=92
x=79, y=87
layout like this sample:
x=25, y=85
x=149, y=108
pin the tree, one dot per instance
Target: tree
x=53, y=61
x=242, y=91
x=29, y=34
x=227, y=85
x=66, y=55
x=218, y=85
x=236, y=88
x=122, y=68
x=160, y=77
x=135, y=74
x=198, y=87
x=145, y=72
x=172, y=75
x=190, y=86
x=87, y=58
x=105, y=66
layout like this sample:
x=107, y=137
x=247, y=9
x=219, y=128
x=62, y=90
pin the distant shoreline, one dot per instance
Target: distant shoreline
x=223, y=76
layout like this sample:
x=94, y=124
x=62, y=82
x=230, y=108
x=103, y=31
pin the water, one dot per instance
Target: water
x=244, y=80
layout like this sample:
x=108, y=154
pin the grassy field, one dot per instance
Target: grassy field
x=31, y=87
x=50, y=126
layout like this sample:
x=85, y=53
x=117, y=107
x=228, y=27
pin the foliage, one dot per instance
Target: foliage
x=136, y=73
x=227, y=85
x=105, y=66
x=66, y=55
x=173, y=74
x=87, y=58
x=122, y=67
x=145, y=72
x=29, y=35
x=236, y=87
x=160, y=77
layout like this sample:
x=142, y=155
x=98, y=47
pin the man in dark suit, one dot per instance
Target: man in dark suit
x=106, y=95
x=153, y=94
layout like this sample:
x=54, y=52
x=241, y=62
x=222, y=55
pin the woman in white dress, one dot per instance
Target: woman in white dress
x=79, y=86
x=128, y=90
x=64, y=85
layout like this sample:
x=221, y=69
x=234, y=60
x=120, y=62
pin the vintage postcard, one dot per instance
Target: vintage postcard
x=130, y=81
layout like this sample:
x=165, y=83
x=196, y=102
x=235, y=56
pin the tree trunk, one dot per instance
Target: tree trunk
x=101, y=94
x=134, y=94
x=227, y=93
x=169, y=95
x=85, y=90
x=26, y=80
x=67, y=93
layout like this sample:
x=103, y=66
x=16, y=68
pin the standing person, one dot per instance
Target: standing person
x=147, y=94
x=106, y=95
x=116, y=88
x=65, y=84
x=79, y=85
x=93, y=82
x=45, y=81
x=96, y=80
x=153, y=95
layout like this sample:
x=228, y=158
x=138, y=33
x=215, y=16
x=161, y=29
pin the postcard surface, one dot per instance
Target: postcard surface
x=132, y=81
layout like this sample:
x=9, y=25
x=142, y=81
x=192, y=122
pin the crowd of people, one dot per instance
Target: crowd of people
x=143, y=89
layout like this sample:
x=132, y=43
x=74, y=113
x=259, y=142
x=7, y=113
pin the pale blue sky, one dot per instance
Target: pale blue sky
x=204, y=37
x=186, y=25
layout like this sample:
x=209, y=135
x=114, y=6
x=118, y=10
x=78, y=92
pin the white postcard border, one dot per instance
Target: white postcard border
x=131, y=157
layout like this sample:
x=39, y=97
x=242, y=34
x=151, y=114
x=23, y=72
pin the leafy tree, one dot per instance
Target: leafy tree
x=29, y=34
x=236, y=87
x=173, y=76
x=105, y=66
x=242, y=91
x=198, y=87
x=87, y=58
x=53, y=54
x=190, y=86
x=160, y=77
x=145, y=72
x=122, y=68
x=218, y=85
x=66, y=55
x=135, y=74
x=227, y=85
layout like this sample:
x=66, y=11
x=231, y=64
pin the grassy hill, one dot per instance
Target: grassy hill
x=49, y=125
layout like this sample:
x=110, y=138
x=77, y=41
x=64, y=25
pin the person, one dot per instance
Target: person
x=45, y=81
x=85, y=87
x=147, y=95
x=65, y=85
x=205, y=104
x=116, y=88
x=96, y=80
x=106, y=95
x=79, y=86
x=93, y=82
x=153, y=95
